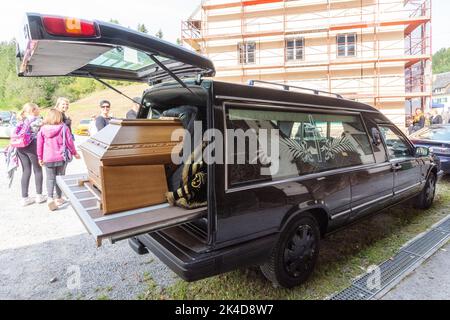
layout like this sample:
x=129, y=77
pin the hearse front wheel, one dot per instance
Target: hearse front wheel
x=425, y=199
x=294, y=256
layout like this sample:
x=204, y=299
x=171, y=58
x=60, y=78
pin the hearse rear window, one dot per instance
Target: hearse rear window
x=124, y=58
x=309, y=143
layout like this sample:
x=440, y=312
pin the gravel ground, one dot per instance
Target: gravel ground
x=49, y=255
x=431, y=281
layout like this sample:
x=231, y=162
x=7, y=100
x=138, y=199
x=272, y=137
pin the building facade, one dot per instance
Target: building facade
x=441, y=95
x=374, y=51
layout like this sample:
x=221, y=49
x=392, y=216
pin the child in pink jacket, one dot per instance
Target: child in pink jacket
x=52, y=153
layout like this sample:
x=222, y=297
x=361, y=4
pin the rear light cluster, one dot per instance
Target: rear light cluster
x=69, y=27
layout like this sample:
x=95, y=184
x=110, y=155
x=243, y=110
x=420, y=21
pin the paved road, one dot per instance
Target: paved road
x=45, y=255
x=431, y=281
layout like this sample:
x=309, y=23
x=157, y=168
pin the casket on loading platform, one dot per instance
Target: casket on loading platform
x=127, y=161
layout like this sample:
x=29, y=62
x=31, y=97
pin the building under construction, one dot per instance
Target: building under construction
x=374, y=51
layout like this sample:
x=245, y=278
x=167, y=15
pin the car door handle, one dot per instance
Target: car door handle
x=397, y=167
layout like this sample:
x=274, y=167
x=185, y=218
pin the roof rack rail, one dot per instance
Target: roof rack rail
x=288, y=88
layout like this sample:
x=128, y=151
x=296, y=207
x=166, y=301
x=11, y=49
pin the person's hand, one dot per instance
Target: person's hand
x=77, y=156
x=41, y=163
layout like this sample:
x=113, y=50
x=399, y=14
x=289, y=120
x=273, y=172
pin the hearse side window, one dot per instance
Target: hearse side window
x=396, y=144
x=309, y=143
x=375, y=137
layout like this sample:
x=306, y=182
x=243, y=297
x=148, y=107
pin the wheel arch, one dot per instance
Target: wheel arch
x=319, y=212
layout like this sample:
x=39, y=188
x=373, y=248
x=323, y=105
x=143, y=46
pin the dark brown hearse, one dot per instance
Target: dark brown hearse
x=339, y=160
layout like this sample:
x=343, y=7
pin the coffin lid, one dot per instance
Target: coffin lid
x=134, y=142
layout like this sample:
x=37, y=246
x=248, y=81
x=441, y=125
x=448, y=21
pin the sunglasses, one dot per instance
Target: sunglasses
x=106, y=107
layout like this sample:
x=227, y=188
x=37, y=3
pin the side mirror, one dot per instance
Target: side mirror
x=422, y=152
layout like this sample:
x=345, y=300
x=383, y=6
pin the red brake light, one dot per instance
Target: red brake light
x=69, y=27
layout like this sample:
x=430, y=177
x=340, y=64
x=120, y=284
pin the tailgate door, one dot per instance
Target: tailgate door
x=61, y=46
x=85, y=201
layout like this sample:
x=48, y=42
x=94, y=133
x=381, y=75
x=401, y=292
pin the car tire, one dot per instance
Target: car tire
x=295, y=254
x=425, y=199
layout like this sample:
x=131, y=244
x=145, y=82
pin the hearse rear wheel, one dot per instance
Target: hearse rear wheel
x=425, y=199
x=294, y=256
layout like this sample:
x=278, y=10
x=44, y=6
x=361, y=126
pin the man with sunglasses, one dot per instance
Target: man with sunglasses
x=103, y=119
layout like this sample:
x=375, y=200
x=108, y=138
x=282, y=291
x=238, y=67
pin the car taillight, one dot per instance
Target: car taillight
x=69, y=27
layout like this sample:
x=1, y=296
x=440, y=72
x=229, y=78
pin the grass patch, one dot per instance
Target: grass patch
x=153, y=291
x=3, y=143
x=344, y=255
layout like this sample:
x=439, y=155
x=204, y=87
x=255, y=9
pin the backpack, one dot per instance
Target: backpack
x=22, y=136
x=67, y=155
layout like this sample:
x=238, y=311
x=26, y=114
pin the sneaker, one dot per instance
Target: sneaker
x=60, y=201
x=52, y=205
x=40, y=198
x=27, y=201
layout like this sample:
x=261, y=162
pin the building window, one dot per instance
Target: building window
x=247, y=52
x=346, y=45
x=295, y=49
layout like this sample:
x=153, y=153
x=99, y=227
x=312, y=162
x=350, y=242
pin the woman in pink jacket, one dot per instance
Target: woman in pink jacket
x=54, y=148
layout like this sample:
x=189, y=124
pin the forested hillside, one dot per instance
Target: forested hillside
x=15, y=91
x=441, y=61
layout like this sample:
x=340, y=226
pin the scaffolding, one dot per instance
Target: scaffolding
x=222, y=23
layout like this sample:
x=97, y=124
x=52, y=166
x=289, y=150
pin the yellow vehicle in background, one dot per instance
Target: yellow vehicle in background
x=83, y=127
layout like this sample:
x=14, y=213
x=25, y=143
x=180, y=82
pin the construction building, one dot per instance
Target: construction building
x=374, y=51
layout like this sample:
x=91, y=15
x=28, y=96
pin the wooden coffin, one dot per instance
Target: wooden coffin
x=126, y=162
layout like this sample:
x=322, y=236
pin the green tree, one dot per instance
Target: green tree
x=114, y=21
x=441, y=61
x=159, y=34
x=142, y=28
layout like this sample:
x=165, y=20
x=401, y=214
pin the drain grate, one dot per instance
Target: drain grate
x=426, y=243
x=352, y=293
x=445, y=226
x=389, y=271
x=395, y=269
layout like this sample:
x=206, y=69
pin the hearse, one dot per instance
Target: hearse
x=339, y=160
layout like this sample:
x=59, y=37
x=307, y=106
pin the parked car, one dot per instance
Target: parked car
x=7, y=122
x=83, y=127
x=339, y=160
x=437, y=139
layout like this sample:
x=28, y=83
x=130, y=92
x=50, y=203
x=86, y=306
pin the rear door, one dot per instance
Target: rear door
x=406, y=167
x=59, y=46
x=372, y=184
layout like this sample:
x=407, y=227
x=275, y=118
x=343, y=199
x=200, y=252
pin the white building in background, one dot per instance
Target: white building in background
x=373, y=51
x=441, y=91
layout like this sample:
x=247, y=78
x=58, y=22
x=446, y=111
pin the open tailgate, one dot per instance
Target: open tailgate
x=85, y=201
x=64, y=46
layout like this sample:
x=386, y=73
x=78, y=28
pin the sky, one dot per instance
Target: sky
x=155, y=14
